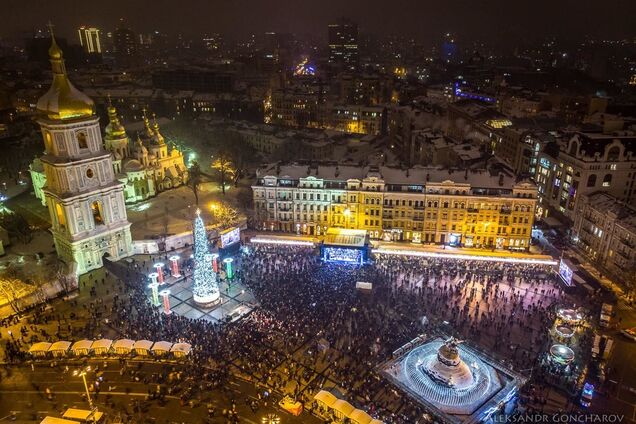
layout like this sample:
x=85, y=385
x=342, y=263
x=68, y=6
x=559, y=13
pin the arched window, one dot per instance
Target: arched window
x=445, y=205
x=613, y=153
x=607, y=180
x=82, y=141
x=591, y=180
x=98, y=216
x=60, y=215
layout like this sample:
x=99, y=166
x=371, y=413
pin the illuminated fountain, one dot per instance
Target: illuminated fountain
x=452, y=380
x=437, y=372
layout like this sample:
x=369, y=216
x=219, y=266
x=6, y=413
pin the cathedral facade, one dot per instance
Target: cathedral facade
x=84, y=198
x=146, y=167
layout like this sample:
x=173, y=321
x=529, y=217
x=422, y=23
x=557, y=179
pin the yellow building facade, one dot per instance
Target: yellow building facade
x=420, y=205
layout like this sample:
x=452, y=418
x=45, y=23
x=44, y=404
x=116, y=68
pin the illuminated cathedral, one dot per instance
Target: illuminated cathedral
x=146, y=167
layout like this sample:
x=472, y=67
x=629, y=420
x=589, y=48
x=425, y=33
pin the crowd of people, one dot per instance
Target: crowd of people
x=313, y=329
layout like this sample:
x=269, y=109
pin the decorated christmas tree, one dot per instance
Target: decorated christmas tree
x=205, y=288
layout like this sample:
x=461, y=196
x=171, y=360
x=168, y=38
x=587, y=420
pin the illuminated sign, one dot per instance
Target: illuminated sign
x=565, y=272
x=230, y=236
x=424, y=254
x=339, y=254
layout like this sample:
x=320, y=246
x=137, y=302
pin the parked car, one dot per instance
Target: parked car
x=630, y=333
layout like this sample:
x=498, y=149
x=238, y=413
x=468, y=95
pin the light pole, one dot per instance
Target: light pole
x=82, y=373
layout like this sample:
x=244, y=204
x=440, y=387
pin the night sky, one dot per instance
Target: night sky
x=489, y=20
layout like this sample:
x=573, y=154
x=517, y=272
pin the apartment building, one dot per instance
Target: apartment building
x=419, y=204
x=579, y=164
x=606, y=229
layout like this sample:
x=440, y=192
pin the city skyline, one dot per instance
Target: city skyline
x=495, y=20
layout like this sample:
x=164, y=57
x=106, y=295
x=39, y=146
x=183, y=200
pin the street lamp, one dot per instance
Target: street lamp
x=271, y=419
x=82, y=373
x=347, y=214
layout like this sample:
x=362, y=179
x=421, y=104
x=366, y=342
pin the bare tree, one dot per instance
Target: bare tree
x=194, y=180
x=225, y=169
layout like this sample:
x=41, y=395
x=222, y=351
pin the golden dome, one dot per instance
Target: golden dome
x=55, y=52
x=114, y=129
x=63, y=100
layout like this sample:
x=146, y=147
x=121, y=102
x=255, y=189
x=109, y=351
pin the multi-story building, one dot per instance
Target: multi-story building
x=606, y=229
x=297, y=106
x=89, y=38
x=365, y=89
x=580, y=164
x=519, y=147
x=353, y=118
x=343, y=45
x=408, y=129
x=125, y=44
x=421, y=205
x=475, y=120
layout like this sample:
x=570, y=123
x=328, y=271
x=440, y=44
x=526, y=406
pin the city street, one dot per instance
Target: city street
x=23, y=395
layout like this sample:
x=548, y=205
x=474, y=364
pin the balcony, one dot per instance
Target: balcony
x=505, y=211
x=472, y=210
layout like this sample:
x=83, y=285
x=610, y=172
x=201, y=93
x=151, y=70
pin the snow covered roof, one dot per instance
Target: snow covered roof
x=418, y=175
x=161, y=346
x=142, y=344
x=325, y=397
x=181, y=348
x=82, y=345
x=40, y=347
x=343, y=407
x=123, y=344
x=60, y=346
x=102, y=344
x=358, y=416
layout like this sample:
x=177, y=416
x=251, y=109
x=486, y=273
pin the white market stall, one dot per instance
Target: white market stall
x=324, y=399
x=161, y=348
x=83, y=415
x=60, y=348
x=179, y=350
x=142, y=347
x=82, y=347
x=358, y=416
x=342, y=409
x=102, y=346
x=123, y=346
x=40, y=349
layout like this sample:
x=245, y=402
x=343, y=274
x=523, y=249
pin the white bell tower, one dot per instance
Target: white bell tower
x=85, y=201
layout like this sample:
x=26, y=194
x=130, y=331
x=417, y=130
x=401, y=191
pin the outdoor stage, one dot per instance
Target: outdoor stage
x=345, y=246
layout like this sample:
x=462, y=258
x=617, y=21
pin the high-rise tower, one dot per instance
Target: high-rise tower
x=89, y=38
x=343, y=44
x=85, y=201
